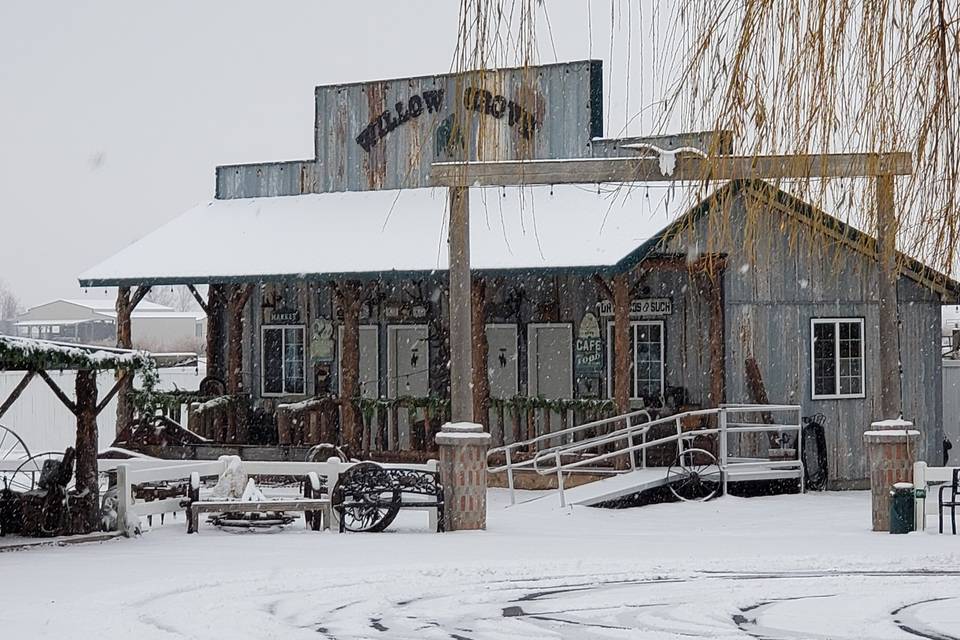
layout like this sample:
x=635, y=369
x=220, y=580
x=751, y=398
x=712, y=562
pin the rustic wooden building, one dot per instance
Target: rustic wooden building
x=300, y=287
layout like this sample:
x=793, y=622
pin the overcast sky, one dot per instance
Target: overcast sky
x=114, y=114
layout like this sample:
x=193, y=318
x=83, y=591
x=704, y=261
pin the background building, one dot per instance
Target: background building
x=94, y=321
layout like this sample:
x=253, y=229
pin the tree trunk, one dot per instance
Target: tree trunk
x=349, y=299
x=124, y=341
x=215, y=330
x=481, y=383
x=87, y=443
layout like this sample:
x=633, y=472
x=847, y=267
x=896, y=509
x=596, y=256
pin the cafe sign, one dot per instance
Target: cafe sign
x=640, y=307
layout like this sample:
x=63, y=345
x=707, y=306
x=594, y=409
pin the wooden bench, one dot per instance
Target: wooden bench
x=316, y=510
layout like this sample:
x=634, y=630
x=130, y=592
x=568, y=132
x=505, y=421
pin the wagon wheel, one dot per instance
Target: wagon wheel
x=13, y=452
x=27, y=475
x=695, y=476
x=371, y=501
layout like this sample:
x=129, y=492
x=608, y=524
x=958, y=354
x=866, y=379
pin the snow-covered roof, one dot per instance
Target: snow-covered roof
x=383, y=231
x=109, y=305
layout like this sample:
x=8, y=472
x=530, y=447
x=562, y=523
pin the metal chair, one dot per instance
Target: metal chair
x=952, y=503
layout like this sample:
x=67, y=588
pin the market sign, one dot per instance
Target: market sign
x=640, y=307
x=387, y=134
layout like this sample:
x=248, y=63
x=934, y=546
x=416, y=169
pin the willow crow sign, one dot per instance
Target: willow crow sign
x=386, y=134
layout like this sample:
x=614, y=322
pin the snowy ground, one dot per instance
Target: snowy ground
x=777, y=567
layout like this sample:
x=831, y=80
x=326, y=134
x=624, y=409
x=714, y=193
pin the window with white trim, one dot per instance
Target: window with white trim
x=836, y=347
x=282, y=358
x=646, y=361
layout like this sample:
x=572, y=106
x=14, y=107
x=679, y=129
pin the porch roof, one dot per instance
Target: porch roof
x=568, y=227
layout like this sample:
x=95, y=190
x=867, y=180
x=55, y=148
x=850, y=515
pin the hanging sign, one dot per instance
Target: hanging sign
x=321, y=340
x=588, y=359
x=404, y=311
x=285, y=316
x=640, y=307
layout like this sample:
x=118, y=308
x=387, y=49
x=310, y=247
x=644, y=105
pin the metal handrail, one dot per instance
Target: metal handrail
x=563, y=432
x=632, y=431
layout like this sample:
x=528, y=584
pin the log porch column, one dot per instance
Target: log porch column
x=87, y=446
x=621, y=342
x=216, y=304
x=126, y=303
x=237, y=302
x=481, y=381
x=349, y=300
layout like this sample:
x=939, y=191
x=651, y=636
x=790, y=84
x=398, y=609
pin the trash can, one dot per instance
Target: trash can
x=901, y=508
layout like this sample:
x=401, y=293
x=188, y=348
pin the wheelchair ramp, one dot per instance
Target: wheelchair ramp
x=611, y=488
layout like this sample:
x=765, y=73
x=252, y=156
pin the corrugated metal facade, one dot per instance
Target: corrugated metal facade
x=386, y=134
x=790, y=277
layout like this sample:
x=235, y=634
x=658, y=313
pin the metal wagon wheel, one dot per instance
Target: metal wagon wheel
x=370, y=503
x=695, y=476
x=27, y=475
x=13, y=452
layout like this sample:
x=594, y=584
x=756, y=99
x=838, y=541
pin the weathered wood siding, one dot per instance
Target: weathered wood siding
x=772, y=293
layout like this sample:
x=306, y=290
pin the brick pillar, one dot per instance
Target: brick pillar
x=892, y=449
x=463, y=471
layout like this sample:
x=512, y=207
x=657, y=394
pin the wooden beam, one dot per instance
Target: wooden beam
x=461, y=351
x=139, y=295
x=603, y=287
x=121, y=379
x=199, y=298
x=687, y=168
x=27, y=377
x=57, y=391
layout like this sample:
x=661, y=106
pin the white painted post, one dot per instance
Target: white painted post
x=510, y=476
x=722, y=419
x=643, y=451
x=563, y=501
x=633, y=460
x=124, y=499
x=333, y=474
x=920, y=488
x=679, y=438
x=433, y=514
x=803, y=473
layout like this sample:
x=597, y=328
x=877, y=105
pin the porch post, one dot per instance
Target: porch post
x=481, y=383
x=621, y=342
x=888, y=325
x=86, y=449
x=239, y=294
x=461, y=332
x=124, y=341
x=215, y=331
x=349, y=301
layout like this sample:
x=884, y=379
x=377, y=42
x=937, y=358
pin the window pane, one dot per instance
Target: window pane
x=824, y=359
x=293, y=360
x=272, y=361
